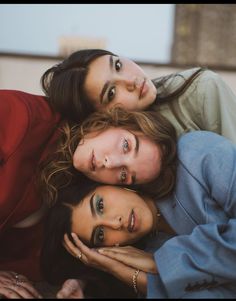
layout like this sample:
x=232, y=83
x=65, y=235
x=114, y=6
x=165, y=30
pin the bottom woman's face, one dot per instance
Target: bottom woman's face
x=112, y=215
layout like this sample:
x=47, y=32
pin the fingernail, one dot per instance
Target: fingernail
x=73, y=235
x=100, y=250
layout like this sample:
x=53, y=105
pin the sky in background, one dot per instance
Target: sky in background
x=142, y=32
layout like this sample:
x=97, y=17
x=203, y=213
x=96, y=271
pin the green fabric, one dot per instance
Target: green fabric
x=207, y=104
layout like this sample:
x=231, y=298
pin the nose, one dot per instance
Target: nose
x=128, y=81
x=115, y=223
x=112, y=161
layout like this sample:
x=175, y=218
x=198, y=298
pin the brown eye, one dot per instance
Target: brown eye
x=111, y=94
x=118, y=65
x=101, y=235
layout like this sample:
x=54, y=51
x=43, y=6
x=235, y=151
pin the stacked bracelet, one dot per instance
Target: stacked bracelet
x=134, y=280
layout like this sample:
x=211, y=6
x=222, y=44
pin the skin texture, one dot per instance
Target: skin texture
x=107, y=212
x=126, y=84
x=122, y=161
x=112, y=206
x=71, y=289
x=9, y=289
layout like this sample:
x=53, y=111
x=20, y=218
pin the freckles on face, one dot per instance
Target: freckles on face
x=118, y=81
x=111, y=215
x=117, y=156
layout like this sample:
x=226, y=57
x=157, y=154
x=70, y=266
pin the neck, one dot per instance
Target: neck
x=159, y=222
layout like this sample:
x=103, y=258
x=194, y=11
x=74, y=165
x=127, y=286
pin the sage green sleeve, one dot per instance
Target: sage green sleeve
x=218, y=105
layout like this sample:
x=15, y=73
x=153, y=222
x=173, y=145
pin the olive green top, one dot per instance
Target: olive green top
x=207, y=104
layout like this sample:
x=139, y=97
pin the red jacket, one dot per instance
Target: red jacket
x=28, y=130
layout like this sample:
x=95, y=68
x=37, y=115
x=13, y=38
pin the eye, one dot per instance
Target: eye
x=123, y=175
x=99, y=204
x=125, y=146
x=118, y=65
x=100, y=235
x=111, y=94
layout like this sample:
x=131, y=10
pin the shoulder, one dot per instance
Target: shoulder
x=198, y=140
x=197, y=145
x=21, y=113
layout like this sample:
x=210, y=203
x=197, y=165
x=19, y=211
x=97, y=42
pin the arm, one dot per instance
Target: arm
x=206, y=257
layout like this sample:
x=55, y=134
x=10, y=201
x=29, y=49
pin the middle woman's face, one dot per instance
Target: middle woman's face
x=119, y=81
x=117, y=156
x=112, y=215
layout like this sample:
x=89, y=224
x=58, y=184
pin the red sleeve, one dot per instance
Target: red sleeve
x=26, y=125
x=14, y=121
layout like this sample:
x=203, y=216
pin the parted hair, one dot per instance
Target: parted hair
x=63, y=84
x=58, y=171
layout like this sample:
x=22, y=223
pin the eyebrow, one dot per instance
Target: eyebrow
x=93, y=214
x=136, y=144
x=136, y=149
x=108, y=82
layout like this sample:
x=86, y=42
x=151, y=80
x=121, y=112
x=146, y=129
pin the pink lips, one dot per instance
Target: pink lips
x=142, y=90
x=93, y=162
x=131, y=225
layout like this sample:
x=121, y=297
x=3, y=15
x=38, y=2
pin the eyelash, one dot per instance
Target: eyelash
x=125, y=146
x=112, y=92
x=99, y=204
x=100, y=230
x=116, y=64
x=123, y=175
x=100, y=235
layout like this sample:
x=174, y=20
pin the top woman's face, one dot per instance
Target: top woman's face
x=112, y=215
x=113, y=80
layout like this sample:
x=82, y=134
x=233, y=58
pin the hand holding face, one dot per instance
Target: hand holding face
x=132, y=257
x=93, y=258
x=15, y=286
x=88, y=256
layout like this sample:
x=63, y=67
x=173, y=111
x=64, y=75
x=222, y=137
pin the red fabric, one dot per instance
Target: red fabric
x=28, y=129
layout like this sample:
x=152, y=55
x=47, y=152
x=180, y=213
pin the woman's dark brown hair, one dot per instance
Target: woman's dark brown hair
x=63, y=84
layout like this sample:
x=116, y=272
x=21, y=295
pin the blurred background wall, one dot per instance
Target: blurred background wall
x=162, y=38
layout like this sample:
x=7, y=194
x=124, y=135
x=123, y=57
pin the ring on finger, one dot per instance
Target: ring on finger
x=79, y=256
x=18, y=281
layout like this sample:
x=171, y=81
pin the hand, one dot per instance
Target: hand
x=15, y=286
x=71, y=289
x=89, y=256
x=132, y=257
x=92, y=258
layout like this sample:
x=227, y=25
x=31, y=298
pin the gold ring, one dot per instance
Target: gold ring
x=79, y=256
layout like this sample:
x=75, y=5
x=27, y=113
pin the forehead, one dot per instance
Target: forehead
x=114, y=132
x=98, y=74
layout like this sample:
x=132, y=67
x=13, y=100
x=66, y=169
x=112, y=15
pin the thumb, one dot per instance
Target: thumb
x=68, y=287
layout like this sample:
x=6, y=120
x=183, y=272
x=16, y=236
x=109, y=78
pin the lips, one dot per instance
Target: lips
x=92, y=162
x=141, y=89
x=131, y=225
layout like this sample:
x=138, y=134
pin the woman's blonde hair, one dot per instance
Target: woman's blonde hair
x=58, y=171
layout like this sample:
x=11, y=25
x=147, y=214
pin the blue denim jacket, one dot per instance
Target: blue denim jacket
x=200, y=261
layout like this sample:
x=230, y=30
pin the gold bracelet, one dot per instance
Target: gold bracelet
x=134, y=280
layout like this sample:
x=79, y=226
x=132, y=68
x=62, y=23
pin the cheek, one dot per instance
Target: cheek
x=126, y=100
